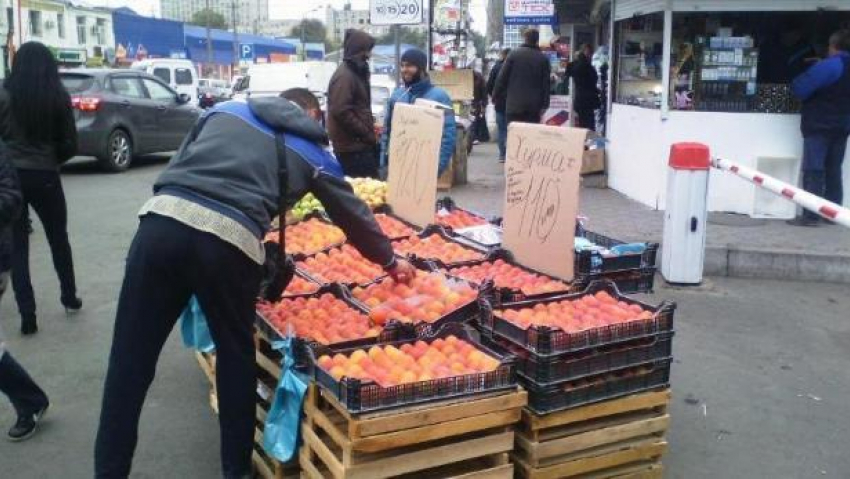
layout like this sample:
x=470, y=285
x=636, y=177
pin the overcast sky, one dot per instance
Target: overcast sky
x=292, y=8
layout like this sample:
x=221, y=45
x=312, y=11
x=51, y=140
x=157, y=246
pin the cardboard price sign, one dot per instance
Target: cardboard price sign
x=541, y=196
x=414, y=157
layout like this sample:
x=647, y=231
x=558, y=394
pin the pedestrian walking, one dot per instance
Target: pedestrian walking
x=350, y=122
x=824, y=90
x=201, y=235
x=499, y=103
x=585, y=91
x=417, y=84
x=524, y=81
x=37, y=124
x=479, y=108
x=27, y=398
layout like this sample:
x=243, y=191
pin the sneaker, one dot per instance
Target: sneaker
x=26, y=425
x=29, y=325
x=804, y=221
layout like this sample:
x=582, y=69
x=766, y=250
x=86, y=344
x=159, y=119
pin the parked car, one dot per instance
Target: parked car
x=179, y=74
x=266, y=79
x=124, y=113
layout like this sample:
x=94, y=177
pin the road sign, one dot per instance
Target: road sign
x=396, y=12
x=246, y=52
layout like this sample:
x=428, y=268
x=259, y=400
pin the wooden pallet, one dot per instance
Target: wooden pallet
x=463, y=438
x=622, y=438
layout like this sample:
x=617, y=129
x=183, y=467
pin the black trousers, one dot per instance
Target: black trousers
x=586, y=118
x=43, y=191
x=167, y=263
x=525, y=117
x=25, y=395
x=359, y=164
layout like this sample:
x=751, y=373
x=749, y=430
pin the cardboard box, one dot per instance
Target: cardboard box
x=593, y=161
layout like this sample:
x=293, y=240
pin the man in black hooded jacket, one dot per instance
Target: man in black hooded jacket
x=201, y=234
x=350, y=122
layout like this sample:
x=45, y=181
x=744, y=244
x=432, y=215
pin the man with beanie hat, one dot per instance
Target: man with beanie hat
x=351, y=126
x=417, y=84
x=524, y=81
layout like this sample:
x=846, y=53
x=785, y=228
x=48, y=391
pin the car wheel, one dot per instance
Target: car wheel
x=118, y=153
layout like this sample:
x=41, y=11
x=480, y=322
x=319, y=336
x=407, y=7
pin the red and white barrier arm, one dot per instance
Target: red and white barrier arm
x=827, y=209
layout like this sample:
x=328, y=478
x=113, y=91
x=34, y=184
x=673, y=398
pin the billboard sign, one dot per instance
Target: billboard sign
x=529, y=12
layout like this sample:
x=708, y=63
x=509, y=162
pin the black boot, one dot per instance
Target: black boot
x=72, y=304
x=28, y=324
x=814, y=182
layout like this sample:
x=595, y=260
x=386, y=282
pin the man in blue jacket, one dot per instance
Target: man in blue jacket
x=417, y=84
x=825, y=91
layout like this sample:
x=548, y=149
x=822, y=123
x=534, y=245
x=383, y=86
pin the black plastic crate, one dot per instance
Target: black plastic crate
x=306, y=277
x=447, y=236
x=388, y=211
x=318, y=216
x=572, y=366
x=611, y=385
x=500, y=295
x=303, y=268
x=392, y=331
x=359, y=396
x=547, y=341
x=591, y=263
x=628, y=282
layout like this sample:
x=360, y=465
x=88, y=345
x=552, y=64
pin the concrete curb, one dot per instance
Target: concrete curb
x=741, y=262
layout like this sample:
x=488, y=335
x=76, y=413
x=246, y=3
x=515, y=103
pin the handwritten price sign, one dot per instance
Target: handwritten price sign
x=414, y=158
x=395, y=12
x=541, y=195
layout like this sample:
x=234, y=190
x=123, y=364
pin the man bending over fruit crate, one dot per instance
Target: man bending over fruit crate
x=201, y=234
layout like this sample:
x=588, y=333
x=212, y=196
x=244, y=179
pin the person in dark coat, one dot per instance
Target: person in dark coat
x=585, y=92
x=824, y=90
x=524, y=81
x=29, y=401
x=499, y=103
x=37, y=124
x=479, y=108
x=201, y=235
x=350, y=122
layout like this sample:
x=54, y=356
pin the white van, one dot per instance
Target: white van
x=178, y=74
x=267, y=79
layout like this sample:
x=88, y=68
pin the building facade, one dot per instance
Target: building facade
x=278, y=28
x=250, y=14
x=78, y=35
x=338, y=21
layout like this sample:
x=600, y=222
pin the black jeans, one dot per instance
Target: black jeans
x=359, y=164
x=527, y=117
x=27, y=398
x=43, y=191
x=167, y=263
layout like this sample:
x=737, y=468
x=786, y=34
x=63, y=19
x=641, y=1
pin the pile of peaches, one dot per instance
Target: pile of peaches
x=309, y=237
x=341, y=265
x=420, y=361
x=505, y=275
x=326, y=319
x=436, y=247
x=572, y=316
x=427, y=298
x=393, y=227
x=299, y=285
x=458, y=218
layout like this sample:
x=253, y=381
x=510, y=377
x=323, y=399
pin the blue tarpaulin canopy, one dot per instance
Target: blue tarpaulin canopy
x=222, y=43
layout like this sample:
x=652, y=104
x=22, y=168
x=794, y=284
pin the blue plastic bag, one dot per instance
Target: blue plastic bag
x=282, y=431
x=193, y=325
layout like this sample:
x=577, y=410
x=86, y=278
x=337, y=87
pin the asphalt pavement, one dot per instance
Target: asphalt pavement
x=761, y=377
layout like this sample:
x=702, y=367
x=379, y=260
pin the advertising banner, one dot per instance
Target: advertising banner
x=529, y=12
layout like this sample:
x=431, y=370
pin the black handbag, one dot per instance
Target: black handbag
x=279, y=267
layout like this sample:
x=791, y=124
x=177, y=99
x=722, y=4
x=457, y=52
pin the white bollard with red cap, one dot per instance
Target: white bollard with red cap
x=683, y=249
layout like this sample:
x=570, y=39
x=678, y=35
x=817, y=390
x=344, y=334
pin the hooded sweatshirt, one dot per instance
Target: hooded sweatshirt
x=350, y=122
x=225, y=179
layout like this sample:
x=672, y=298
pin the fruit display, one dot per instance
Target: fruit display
x=506, y=275
x=420, y=361
x=436, y=247
x=341, y=265
x=587, y=312
x=305, y=206
x=373, y=192
x=325, y=319
x=309, y=237
x=393, y=227
x=299, y=285
x=458, y=218
x=427, y=298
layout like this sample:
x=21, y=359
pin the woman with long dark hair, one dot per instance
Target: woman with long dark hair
x=37, y=124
